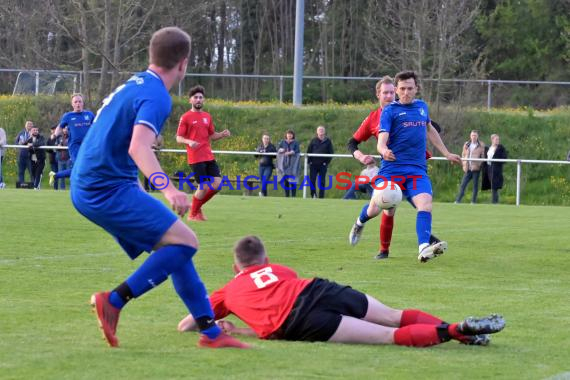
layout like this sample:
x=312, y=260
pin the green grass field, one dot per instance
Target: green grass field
x=514, y=261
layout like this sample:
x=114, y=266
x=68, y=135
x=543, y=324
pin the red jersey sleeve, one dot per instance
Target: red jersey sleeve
x=363, y=132
x=182, y=127
x=211, y=127
x=217, y=301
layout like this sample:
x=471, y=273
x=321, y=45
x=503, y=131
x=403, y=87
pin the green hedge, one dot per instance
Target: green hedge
x=526, y=134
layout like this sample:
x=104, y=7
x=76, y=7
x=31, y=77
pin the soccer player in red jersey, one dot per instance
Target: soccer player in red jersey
x=276, y=304
x=385, y=92
x=196, y=130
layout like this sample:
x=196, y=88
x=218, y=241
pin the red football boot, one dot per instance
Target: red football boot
x=222, y=341
x=107, y=315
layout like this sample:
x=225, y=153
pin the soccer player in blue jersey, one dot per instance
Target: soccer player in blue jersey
x=77, y=122
x=405, y=127
x=105, y=190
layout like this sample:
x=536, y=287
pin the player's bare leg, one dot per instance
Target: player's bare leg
x=354, y=330
x=381, y=314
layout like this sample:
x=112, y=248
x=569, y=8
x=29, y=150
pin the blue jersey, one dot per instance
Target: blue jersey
x=406, y=125
x=77, y=124
x=105, y=162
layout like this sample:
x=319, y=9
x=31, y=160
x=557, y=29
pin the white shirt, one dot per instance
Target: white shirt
x=491, y=153
x=370, y=172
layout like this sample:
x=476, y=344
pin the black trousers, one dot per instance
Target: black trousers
x=318, y=172
x=37, y=171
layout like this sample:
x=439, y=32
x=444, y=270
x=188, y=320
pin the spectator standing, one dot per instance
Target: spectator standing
x=288, y=154
x=2, y=143
x=494, y=170
x=52, y=153
x=24, y=162
x=37, y=155
x=265, y=162
x=473, y=148
x=320, y=144
x=63, y=158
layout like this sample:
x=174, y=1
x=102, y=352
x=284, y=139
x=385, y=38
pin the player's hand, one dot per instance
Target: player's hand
x=226, y=326
x=454, y=158
x=366, y=159
x=194, y=144
x=226, y=133
x=178, y=200
x=388, y=155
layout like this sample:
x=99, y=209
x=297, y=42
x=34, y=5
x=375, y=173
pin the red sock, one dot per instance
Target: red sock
x=452, y=330
x=412, y=317
x=196, y=205
x=386, y=227
x=417, y=336
x=209, y=194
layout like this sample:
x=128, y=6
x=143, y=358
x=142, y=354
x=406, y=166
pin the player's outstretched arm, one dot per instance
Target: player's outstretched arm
x=230, y=328
x=142, y=154
x=220, y=135
x=181, y=140
x=382, y=147
x=436, y=140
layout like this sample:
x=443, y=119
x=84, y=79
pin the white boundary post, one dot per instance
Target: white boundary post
x=305, y=170
x=519, y=169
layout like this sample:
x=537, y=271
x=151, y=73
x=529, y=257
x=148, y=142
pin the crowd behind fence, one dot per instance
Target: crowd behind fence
x=482, y=93
x=305, y=156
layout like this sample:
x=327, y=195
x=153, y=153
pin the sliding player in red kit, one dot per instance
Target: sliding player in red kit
x=276, y=304
x=385, y=92
x=195, y=130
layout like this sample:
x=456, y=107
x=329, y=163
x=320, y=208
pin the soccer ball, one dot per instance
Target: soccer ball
x=388, y=195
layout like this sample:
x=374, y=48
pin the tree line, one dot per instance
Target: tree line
x=483, y=39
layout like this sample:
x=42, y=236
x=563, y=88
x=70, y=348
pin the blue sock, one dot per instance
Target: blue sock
x=159, y=265
x=116, y=300
x=63, y=174
x=192, y=291
x=364, y=214
x=423, y=227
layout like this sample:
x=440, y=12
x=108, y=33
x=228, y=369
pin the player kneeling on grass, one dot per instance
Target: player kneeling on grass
x=276, y=304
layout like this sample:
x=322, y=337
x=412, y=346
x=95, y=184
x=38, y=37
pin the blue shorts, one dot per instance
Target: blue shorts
x=135, y=219
x=413, y=180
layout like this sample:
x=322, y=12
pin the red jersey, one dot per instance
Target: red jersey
x=197, y=126
x=262, y=296
x=371, y=127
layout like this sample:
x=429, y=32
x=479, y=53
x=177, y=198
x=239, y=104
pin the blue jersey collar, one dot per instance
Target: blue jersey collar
x=155, y=75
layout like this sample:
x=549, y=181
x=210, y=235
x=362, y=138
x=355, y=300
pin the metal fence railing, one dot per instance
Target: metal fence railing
x=519, y=162
x=243, y=87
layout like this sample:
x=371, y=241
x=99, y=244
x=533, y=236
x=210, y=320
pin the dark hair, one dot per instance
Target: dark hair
x=168, y=46
x=249, y=251
x=195, y=90
x=405, y=75
x=291, y=132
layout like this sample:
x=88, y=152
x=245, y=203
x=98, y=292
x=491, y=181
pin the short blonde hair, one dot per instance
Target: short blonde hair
x=385, y=80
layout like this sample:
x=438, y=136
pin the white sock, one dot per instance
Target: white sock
x=422, y=246
x=358, y=222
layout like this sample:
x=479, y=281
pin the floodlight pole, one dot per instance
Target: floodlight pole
x=298, y=66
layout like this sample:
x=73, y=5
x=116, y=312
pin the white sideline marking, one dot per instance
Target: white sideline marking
x=560, y=376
